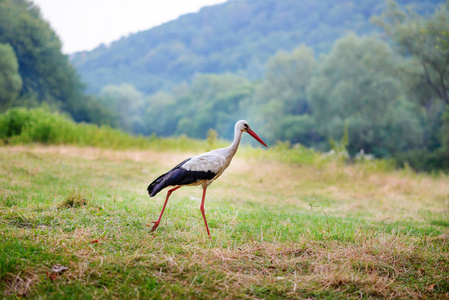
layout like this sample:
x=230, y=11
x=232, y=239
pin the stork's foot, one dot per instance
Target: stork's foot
x=156, y=224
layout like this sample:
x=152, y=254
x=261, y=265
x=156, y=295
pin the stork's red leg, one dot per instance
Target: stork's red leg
x=156, y=223
x=202, y=210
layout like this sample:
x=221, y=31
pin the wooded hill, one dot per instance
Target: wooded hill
x=236, y=37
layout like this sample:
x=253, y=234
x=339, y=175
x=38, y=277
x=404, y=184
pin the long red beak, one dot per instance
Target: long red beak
x=254, y=135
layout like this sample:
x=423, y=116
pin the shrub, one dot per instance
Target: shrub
x=22, y=125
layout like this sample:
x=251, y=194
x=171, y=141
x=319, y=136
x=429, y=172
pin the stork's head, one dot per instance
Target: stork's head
x=243, y=126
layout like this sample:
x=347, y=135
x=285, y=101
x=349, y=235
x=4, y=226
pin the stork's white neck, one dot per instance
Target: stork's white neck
x=235, y=144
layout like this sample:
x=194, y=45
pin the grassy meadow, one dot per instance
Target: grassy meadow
x=286, y=223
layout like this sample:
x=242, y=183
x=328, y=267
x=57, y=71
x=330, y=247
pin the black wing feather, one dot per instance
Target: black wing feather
x=178, y=176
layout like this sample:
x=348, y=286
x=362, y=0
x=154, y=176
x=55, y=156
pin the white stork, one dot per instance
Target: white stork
x=201, y=170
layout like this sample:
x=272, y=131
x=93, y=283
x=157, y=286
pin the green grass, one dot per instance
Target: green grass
x=313, y=229
x=286, y=222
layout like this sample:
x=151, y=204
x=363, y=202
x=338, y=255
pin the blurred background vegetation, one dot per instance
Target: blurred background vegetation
x=370, y=73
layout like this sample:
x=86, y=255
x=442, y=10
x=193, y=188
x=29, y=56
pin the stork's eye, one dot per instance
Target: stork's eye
x=246, y=126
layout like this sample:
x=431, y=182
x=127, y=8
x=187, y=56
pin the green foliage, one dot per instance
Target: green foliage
x=39, y=125
x=211, y=101
x=296, y=154
x=281, y=108
x=421, y=38
x=431, y=159
x=367, y=96
x=128, y=106
x=423, y=44
x=10, y=80
x=340, y=149
x=21, y=125
x=45, y=73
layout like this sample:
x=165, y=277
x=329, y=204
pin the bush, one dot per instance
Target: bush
x=22, y=125
x=421, y=160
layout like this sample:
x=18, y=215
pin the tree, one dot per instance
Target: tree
x=425, y=40
x=127, y=104
x=46, y=72
x=282, y=106
x=210, y=101
x=357, y=84
x=424, y=44
x=160, y=118
x=215, y=101
x=288, y=75
x=10, y=80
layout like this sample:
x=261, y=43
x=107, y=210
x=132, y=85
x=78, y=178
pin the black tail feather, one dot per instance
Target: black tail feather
x=157, y=185
x=164, y=180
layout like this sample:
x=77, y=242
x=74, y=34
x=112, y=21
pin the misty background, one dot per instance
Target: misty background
x=373, y=74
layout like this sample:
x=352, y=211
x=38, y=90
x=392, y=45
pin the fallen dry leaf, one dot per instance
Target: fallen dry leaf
x=58, y=268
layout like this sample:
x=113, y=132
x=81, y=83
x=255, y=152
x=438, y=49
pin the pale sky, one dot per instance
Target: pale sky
x=85, y=24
